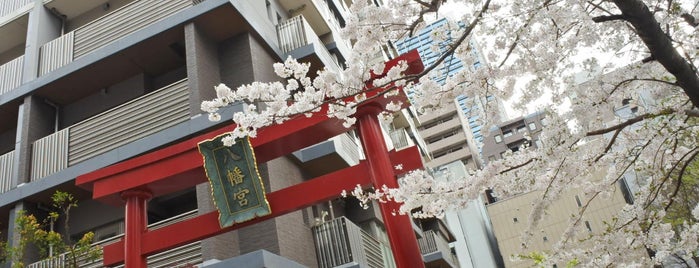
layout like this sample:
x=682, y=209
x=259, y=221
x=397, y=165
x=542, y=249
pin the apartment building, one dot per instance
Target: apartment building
x=510, y=218
x=452, y=133
x=85, y=84
x=511, y=135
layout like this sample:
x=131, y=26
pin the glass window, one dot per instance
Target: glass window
x=532, y=126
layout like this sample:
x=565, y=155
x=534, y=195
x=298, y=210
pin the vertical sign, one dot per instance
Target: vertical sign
x=236, y=184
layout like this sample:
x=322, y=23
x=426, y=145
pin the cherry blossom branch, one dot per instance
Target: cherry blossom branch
x=657, y=41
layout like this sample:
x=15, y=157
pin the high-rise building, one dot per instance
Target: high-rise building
x=85, y=84
x=453, y=133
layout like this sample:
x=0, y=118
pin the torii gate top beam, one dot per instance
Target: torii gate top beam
x=185, y=164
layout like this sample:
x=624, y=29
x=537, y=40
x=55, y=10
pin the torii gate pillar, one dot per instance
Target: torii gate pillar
x=406, y=252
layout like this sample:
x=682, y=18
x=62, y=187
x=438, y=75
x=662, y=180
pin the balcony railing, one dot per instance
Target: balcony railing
x=6, y=170
x=187, y=254
x=9, y=6
x=296, y=33
x=432, y=242
x=340, y=242
x=105, y=30
x=11, y=74
x=401, y=139
x=118, y=126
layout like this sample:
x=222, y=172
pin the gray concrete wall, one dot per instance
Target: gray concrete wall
x=37, y=120
x=94, y=14
x=294, y=236
x=236, y=65
x=103, y=100
x=42, y=28
x=91, y=214
x=7, y=140
x=11, y=54
x=202, y=67
x=219, y=247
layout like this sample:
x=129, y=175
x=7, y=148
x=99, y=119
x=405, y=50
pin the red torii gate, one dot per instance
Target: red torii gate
x=180, y=166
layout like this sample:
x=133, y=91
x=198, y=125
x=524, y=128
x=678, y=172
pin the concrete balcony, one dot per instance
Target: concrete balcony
x=338, y=152
x=341, y=243
x=435, y=251
x=463, y=153
x=187, y=254
x=457, y=138
x=432, y=115
x=440, y=128
x=317, y=12
x=118, y=126
x=298, y=40
x=104, y=30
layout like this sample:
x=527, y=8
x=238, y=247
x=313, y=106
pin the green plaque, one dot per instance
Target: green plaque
x=236, y=184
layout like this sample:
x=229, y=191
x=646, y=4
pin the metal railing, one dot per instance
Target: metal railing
x=50, y=154
x=105, y=30
x=11, y=74
x=122, y=22
x=9, y=6
x=432, y=242
x=56, y=53
x=116, y=127
x=187, y=254
x=6, y=170
x=351, y=148
x=340, y=241
x=296, y=33
x=400, y=139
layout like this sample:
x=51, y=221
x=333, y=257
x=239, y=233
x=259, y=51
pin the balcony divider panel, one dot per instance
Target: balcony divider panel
x=11, y=74
x=6, y=164
x=129, y=122
x=56, y=53
x=122, y=22
x=340, y=241
x=50, y=154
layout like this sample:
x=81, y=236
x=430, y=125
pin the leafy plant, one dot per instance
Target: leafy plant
x=33, y=231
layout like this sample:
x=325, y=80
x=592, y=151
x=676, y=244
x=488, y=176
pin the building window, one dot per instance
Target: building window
x=532, y=126
x=507, y=133
x=498, y=138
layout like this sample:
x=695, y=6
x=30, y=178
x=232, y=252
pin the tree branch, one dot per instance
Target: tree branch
x=599, y=19
x=660, y=46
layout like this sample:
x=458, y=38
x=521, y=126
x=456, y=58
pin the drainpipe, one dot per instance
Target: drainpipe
x=61, y=17
x=57, y=110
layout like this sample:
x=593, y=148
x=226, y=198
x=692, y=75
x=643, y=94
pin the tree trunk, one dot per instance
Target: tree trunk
x=660, y=46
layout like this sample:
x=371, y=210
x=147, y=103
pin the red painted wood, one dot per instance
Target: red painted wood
x=136, y=220
x=399, y=229
x=282, y=201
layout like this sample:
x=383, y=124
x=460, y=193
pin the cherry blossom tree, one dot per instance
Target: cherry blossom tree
x=645, y=48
